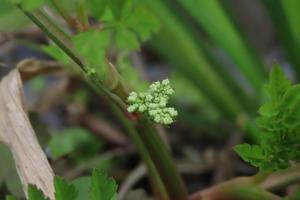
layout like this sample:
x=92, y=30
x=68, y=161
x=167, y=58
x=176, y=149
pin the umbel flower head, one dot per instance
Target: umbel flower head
x=154, y=102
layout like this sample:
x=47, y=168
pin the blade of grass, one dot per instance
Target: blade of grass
x=218, y=25
x=174, y=43
x=280, y=21
x=64, y=13
x=248, y=100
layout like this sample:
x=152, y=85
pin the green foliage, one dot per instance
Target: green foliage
x=285, y=18
x=102, y=187
x=121, y=8
x=83, y=183
x=11, y=19
x=130, y=73
x=8, y=173
x=127, y=20
x=279, y=125
x=154, y=102
x=57, y=53
x=92, y=46
x=28, y=5
x=97, y=7
x=126, y=39
x=35, y=194
x=64, y=190
x=98, y=187
x=10, y=198
x=68, y=140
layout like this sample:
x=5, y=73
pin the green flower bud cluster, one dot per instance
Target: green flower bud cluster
x=90, y=71
x=154, y=102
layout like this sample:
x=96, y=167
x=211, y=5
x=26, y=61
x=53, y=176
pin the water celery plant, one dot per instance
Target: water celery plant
x=105, y=79
x=279, y=126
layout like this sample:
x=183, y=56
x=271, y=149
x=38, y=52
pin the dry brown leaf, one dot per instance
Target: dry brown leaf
x=30, y=68
x=17, y=133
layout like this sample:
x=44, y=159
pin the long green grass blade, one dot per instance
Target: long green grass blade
x=213, y=18
x=248, y=99
x=285, y=18
x=174, y=43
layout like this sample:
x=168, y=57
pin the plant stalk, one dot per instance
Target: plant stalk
x=82, y=16
x=162, y=160
x=64, y=13
x=281, y=179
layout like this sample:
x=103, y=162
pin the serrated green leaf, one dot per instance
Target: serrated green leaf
x=126, y=39
x=278, y=83
x=97, y=7
x=279, y=126
x=83, y=185
x=64, y=190
x=293, y=118
x=102, y=187
x=35, y=194
x=143, y=22
x=92, y=46
x=267, y=110
x=120, y=8
x=66, y=141
x=253, y=154
x=290, y=98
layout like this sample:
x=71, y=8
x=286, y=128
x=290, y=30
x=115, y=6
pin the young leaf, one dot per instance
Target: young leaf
x=142, y=22
x=252, y=154
x=278, y=83
x=126, y=39
x=65, y=142
x=64, y=190
x=279, y=125
x=120, y=8
x=82, y=184
x=97, y=7
x=102, y=187
x=92, y=46
x=35, y=194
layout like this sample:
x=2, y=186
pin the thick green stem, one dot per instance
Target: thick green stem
x=54, y=33
x=162, y=160
x=154, y=175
